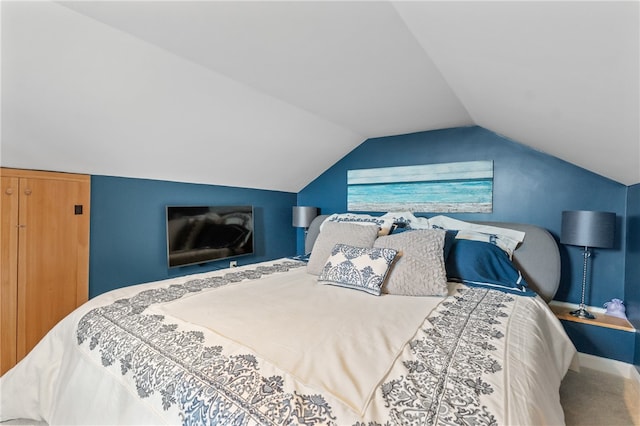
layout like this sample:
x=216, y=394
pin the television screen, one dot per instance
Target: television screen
x=199, y=234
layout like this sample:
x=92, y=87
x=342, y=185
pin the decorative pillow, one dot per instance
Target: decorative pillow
x=358, y=268
x=334, y=233
x=406, y=220
x=398, y=227
x=449, y=239
x=419, y=271
x=505, y=238
x=481, y=264
x=507, y=244
x=384, y=224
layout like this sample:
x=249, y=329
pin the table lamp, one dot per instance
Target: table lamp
x=303, y=216
x=587, y=229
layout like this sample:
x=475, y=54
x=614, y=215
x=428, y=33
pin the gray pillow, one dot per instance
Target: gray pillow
x=419, y=270
x=339, y=233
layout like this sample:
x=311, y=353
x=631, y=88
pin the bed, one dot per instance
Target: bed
x=277, y=343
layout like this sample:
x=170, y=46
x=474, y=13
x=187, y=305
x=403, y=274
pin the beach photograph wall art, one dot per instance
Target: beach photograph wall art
x=461, y=187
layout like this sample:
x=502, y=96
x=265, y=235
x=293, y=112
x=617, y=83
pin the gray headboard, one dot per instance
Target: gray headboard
x=537, y=258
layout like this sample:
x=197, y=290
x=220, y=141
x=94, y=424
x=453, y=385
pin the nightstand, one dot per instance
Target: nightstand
x=605, y=336
x=601, y=320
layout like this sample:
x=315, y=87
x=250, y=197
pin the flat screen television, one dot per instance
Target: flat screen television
x=200, y=234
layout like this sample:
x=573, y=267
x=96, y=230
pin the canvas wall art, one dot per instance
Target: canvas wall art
x=462, y=187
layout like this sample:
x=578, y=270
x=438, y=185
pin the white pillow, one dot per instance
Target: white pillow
x=505, y=238
x=384, y=224
x=507, y=244
x=408, y=218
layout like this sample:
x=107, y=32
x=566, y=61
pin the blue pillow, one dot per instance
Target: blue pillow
x=481, y=264
x=449, y=240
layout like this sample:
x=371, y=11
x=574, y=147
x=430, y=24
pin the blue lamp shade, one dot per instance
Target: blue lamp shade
x=303, y=216
x=588, y=228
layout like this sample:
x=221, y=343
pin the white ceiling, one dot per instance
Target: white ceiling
x=270, y=94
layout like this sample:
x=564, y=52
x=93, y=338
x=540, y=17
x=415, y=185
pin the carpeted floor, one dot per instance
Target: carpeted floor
x=588, y=398
x=595, y=398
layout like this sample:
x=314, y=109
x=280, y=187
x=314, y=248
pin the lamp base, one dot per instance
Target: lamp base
x=582, y=313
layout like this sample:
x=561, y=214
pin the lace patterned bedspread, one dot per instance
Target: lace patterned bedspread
x=475, y=359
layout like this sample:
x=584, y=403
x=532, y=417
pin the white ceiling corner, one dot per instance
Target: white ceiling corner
x=196, y=90
x=562, y=77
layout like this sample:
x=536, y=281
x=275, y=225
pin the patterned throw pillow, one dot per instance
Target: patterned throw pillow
x=384, y=224
x=339, y=233
x=359, y=268
x=420, y=271
x=406, y=220
x=508, y=245
x=505, y=238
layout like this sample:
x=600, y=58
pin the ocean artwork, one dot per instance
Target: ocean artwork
x=463, y=187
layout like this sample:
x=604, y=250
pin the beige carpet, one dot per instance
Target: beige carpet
x=595, y=398
x=589, y=398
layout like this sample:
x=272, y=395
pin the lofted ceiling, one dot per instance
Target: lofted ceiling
x=270, y=94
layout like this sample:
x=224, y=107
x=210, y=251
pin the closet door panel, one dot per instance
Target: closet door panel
x=8, y=271
x=53, y=255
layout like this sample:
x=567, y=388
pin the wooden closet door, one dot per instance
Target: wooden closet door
x=8, y=271
x=53, y=254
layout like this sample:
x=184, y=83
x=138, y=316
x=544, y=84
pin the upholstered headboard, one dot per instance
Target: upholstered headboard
x=313, y=231
x=537, y=258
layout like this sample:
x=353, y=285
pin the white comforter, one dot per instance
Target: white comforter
x=266, y=344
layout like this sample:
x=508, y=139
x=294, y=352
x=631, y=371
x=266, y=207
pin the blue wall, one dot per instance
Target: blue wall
x=632, y=278
x=601, y=341
x=128, y=236
x=128, y=243
x=529, y=187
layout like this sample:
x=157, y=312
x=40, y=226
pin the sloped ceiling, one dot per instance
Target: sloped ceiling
x=270, y=94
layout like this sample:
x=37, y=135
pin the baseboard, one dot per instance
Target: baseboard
x=610, y=366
